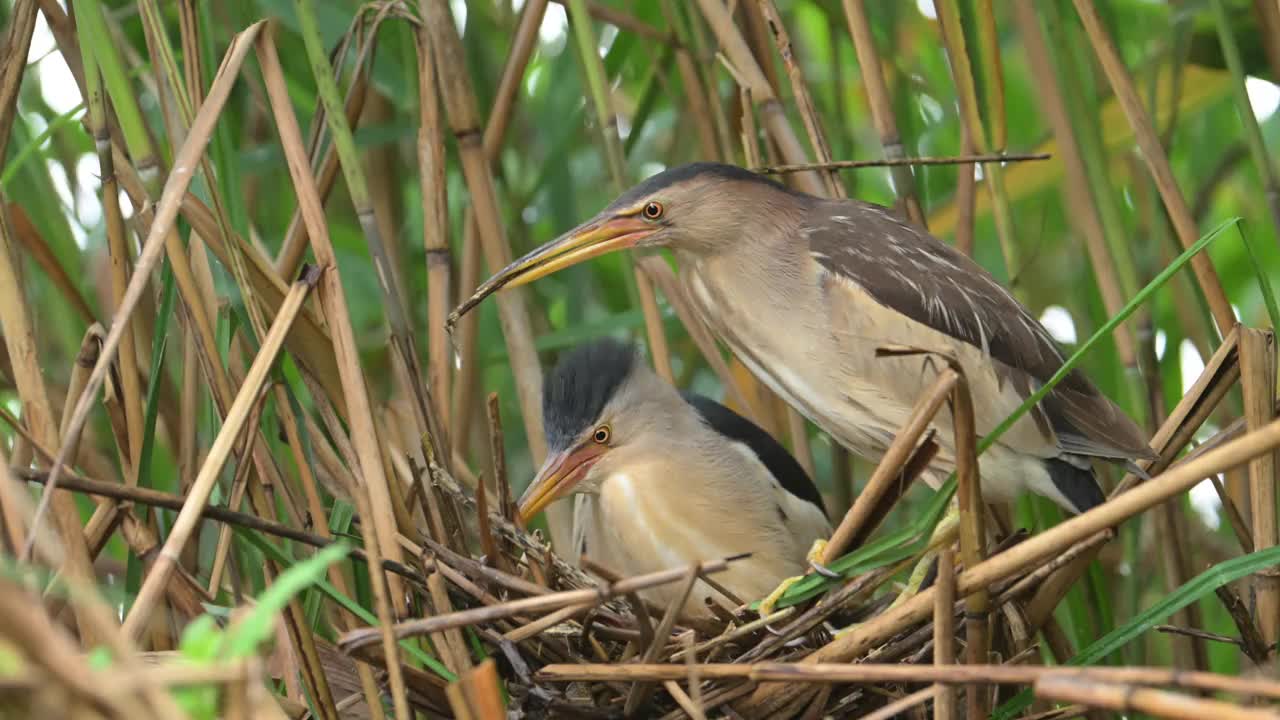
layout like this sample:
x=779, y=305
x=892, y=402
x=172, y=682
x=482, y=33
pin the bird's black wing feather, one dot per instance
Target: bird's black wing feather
x=780, y=463
x=916, y=274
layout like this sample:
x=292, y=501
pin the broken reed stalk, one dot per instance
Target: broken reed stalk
x=972, y=535
x=1175, y=481
x=1258, y=381
x=1179, y=427
x=944, y=651
x=379, y=539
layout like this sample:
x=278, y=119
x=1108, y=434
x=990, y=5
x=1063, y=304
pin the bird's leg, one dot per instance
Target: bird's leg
x=944, y=533
x=812, y=557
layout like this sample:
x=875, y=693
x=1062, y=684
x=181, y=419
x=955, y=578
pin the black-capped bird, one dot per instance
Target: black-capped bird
x=663, y=478
x=805, y=289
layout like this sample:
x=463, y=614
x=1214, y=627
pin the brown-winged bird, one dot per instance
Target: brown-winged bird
x=663, y=479
x=805, y=289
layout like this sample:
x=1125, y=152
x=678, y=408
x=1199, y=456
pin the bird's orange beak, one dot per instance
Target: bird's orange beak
x=597, y=236
x=556, y=478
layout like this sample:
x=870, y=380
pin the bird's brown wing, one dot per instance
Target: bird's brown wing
x=913, y=273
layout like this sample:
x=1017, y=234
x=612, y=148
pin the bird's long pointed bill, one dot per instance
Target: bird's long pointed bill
x=556, y=478
x=591, y=239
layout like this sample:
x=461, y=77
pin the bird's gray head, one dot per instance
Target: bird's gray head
x=600, y=404
x=698, y=208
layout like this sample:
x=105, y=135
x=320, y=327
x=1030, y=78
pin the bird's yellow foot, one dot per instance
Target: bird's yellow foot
x=812, y=557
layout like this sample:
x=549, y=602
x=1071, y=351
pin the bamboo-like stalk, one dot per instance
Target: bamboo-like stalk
x=944, y=651
x=972, y=536
x=379, y=537
x=865, y=673
x=15, y=320
x=117, y=245
x=804, y=102
x=460, y=103
x=464, y=390
x=881, y=107
x=1258, y=381
x=435, y=229
x=948, y=13
x=392, y=298
x=1157, y=162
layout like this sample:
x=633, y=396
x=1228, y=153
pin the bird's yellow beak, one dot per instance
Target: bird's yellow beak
x=593, y=238
x=597, y=236
x=556, y=478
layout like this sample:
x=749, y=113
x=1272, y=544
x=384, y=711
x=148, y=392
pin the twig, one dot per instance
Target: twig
x=855, y=164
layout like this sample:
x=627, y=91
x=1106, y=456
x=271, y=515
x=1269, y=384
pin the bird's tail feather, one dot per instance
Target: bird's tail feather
x=1078, y=485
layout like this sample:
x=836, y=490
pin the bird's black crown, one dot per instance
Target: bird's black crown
x=575, y=392
x=689, y=171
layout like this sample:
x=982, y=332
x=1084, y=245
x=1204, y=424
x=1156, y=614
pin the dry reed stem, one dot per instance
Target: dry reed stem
x=380, y=538
x=665, y=278
x=37, y=412
x=882, y=673
x=944, y=651
x=804, y=102
x=235, y=419
x=1258, y=380
x=640, y=692
x=435, y=229
x=890, y=466
x=1129, y=699
x=1157, y=162
x=550, y=601
x=13, y=63
x=752, y=77
x=658, y=349
x=972, y=535
x=165, y=214
x=460, y=103
x=882, y=108
x=1175, y=481
x=508, y=91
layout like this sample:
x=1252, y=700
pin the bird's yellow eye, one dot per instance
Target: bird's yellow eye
x=652, y=210
x=601, y=435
